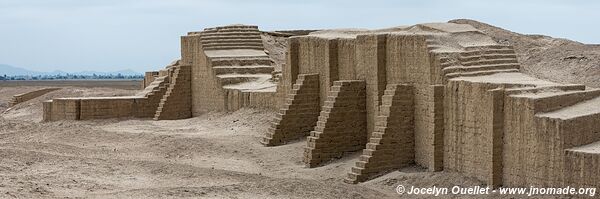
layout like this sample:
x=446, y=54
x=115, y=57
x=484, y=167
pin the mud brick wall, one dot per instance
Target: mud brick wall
x=149, y=78
x=30, y=95
x=236, y=99
x=47, y=111
x=147, y=107
x=299, y=114
x=563, y=138
x=177, y=102
x=392, y=144
x=519, y=126
x=429, y=126
x=96, y=108
x=535, y=144
x=341, y=126
x=289, y=71
x=581, y=168
x=345, y=59
x=103, y=108
x=467, y=140
x=370, y=57
x=494, y=131
x=319, y=55
x=207, y=94
x=407, y=61
x=64, y=109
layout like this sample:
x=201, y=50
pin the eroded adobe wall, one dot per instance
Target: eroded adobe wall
x=236, y=99
x=407, y=61
x=149, y=78
x=392, y=143
x=207, y=94
x=581, y=168
x=370, y=65
x=176, y=103
x=341, y=127
x=379, y=60
x=103, y=108
x=332, y=59
x=346, y=56
x=534, y=145
x=519, y=131
x=30, y=95
x=99, y=108
x=319, y=55
x=300, y=113
x=472, y=116
x=289, y=71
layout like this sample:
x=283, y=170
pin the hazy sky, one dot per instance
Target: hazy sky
x=109, y=35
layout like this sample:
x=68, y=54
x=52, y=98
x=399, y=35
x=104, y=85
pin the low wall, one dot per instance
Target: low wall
x=30, y=95
x=236, y=99
x=149, y=78
x=97, y=108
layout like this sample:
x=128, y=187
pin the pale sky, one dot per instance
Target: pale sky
x=142, y=35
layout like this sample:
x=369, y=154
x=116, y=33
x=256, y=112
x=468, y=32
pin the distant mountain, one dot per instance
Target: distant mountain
x=13, y=71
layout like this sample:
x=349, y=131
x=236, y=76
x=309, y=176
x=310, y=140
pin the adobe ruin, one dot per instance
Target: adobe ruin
x=221, y=69
x=441, y=95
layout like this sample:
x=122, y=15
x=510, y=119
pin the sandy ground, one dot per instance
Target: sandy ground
x=217, y=155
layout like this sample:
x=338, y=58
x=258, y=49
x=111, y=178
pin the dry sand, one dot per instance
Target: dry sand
x=216, y=155
x=275, y=46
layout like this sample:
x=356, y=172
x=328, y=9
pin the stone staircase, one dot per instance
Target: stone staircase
x=392, y=143
x=483, y=60
x=176, y=102
x=299, y=114
x=341, y=126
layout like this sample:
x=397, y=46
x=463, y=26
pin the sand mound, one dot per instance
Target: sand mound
x=554, y=59
x=275, y=47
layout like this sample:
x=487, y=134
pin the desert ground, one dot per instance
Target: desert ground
x=216, y=155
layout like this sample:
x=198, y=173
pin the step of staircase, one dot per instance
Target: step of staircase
x=490, y=62
x=239, y=78
x=487, y=56
x=456, y=69
x=231, y=44
x=232, y=40
x=252, y=69
x=209, y=35
x=486, y=52
x=480, y=73
x=234, y=47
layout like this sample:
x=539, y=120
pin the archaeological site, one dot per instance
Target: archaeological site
x=441, y=98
